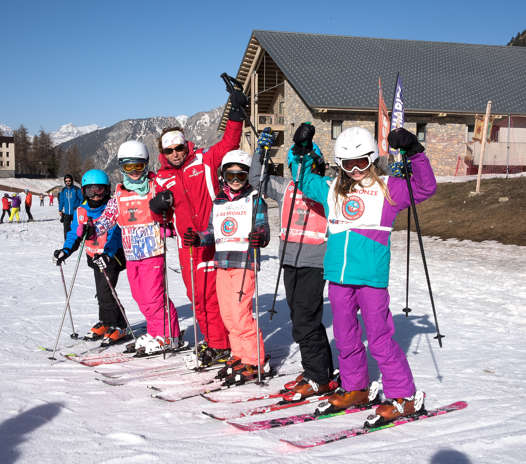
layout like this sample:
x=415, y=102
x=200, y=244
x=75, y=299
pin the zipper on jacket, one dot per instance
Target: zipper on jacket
x=344, y=255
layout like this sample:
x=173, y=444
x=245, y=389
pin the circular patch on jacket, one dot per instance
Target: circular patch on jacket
x=229, y=226
x=353, y=208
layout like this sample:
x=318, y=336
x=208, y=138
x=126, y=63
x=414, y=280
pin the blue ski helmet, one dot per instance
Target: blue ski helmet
x=95, y=176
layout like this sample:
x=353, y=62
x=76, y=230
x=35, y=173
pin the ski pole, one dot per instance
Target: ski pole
x=230, y=82
x=254, y=213
x=193, y=303
x=167, y=311
x=438, y=336
x=285, y=241
x=407, y=309
x=102, y=266
x=256, y=294
x=68, y=297
x=74, y=335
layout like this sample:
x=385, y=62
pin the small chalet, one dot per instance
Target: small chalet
x=332, y=81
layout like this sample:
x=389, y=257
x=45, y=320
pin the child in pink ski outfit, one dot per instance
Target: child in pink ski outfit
x=142, y=244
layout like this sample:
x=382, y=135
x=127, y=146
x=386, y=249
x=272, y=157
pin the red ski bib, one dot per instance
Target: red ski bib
x=308, y=223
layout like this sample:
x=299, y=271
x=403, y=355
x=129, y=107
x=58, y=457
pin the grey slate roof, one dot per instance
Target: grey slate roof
x=331, y=71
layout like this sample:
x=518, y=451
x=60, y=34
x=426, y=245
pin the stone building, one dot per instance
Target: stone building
x=332, y=81
x=7, y=156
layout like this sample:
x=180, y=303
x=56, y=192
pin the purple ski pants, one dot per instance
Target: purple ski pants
x=373, y=302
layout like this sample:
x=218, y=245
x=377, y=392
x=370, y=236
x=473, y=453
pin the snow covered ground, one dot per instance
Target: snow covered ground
x=57, y=412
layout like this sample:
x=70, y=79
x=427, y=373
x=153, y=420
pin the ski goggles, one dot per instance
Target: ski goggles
x=240, y=176
x=169, y=151
x=130, y=167
x=361, y=164
x=93, y=190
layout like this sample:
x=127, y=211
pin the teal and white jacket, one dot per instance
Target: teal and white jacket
x=359, y=232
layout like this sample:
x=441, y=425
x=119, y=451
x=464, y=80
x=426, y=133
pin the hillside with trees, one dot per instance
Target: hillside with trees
x=519, y=40
x=37, y=156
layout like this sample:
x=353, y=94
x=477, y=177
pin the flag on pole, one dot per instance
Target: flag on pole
x=383, y=123
x=398, y=113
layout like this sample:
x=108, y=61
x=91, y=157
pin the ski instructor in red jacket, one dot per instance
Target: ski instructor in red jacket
x=189, y=182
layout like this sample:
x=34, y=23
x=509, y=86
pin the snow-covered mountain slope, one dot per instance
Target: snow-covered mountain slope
x=69, y=131
x=102, y=145
x=6, y=130
x=60, y=413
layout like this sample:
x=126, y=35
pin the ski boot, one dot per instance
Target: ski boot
x=229, y=367
x=139, y=342
x=307, y=387
x=97, y=331
x=392, y=409
x=211, y=356
x=290, y=385
x=115, y=335
x=152, y=345
x=341, y=399
x=245, y=372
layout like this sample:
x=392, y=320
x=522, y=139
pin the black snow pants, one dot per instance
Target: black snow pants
x=304, y=291
x=109, y=311
x=66, y=221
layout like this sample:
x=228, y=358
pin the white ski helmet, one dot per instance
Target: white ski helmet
x=133, y=150
x=355, y=142
x=236, y=157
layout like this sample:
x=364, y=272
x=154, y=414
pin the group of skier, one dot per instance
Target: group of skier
x=334, y=229
x=11, y=206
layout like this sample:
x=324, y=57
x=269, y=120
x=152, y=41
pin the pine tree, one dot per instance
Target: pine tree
x=22, y=149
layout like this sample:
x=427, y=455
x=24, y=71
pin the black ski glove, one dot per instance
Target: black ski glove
x=101, y=260
x=162, y=202
x=303, y=139
x=191, y=238
x=256, y=239
x=61, y=255
x=238, y=102
x=405, y=140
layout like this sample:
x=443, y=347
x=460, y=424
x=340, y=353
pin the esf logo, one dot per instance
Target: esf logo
x=353, y=208
x=229, y=226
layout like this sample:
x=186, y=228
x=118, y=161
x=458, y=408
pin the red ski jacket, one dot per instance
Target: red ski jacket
x=195, y=184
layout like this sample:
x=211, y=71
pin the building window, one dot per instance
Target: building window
x=1, y=164
x=471, y=132
x=421, y=131
x=281, y=107
x=336, y=128
x=7, y=163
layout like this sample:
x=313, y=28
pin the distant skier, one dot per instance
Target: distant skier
x=6, y=207
x=41, y=197
x=189, y=176
x=28, y=202
x=108, y=247
x=51, y=199
x=230, y=228
x=143, y=246
x=361, y=207
x=15, y=208
x=302, y=266
x=69, y=198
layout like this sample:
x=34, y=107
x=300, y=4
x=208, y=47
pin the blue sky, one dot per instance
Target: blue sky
x=99, y=62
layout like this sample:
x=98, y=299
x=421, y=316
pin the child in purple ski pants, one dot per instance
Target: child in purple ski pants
x=361, y=207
